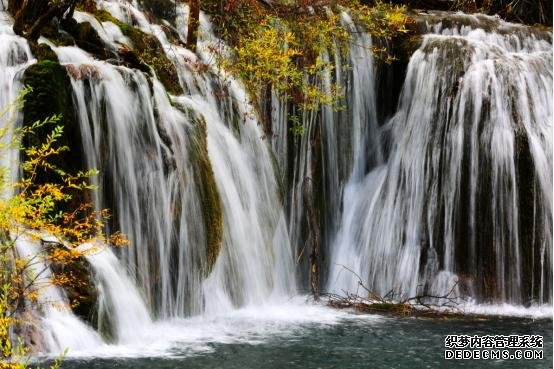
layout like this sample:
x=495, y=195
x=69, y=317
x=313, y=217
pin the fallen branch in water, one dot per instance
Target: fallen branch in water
x=364, y=300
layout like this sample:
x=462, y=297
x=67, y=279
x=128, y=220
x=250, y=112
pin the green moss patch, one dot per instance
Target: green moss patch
x=44, y=52
x=210, y=198
x=150, y=51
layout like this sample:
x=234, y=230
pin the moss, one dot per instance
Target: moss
x=104, y=16
x=51, y=93
x=44, y=52
x=149, y=50
x=146, y=50
x=125, y=28
x=87, y=39
x=49, y=81
x=52, y=33
x=210, y=198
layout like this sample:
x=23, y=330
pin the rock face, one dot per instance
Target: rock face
x=51, y=95
x=150, y=52
x=161, y=9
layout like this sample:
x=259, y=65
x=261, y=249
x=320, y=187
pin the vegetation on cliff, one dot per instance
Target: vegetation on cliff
x=286, y=48
x=30, y=212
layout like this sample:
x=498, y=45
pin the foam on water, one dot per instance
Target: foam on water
x=180, y=337
x=507, y=310
x=253, y=325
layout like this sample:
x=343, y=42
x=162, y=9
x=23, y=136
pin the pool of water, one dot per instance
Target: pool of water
x=309, y=337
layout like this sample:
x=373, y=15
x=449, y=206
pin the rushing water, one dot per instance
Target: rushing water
x=143, y=146
x=61, y=328
x=15, y=57
x=464, y=199
x=454, y=190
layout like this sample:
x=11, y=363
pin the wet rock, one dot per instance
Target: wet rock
x=52, y=95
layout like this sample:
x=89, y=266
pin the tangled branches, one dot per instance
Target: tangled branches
x=364, y=300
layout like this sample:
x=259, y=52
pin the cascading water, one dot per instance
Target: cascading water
x=464, y=199
x=122, y=120
x=51, y=313
x=60, y=328
x=120, y=303
x=334, y=142
x=15, y=57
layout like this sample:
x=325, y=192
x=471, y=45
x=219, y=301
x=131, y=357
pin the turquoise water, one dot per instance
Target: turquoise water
x=348, y=342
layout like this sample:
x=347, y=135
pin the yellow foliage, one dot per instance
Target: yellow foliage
x=287, y=51
x=32, y=210
x=265, y=57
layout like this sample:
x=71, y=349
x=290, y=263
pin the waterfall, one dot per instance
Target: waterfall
x=464, y=198
x=337, y=142
x=121, y=307
x=15, y=57
x=145, y=146
x=453, y=192
x=51, y=313
x=59, y=327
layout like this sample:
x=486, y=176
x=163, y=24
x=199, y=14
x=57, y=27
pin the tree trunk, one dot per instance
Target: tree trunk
x=313, y=226
x=194, y=22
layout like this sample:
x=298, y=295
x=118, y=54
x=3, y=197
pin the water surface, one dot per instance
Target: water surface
x=313, y=337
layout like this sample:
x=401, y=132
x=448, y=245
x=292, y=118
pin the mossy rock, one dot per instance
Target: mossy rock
x=105, y=16
x=52, y=95
x=149, y=50
x=59, y=38
x=87, y=39
x=209, y=194
x=44, y=52
x=146, y=50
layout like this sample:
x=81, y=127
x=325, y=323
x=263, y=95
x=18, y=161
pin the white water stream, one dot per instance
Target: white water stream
x=446, y=207
x=15, y=57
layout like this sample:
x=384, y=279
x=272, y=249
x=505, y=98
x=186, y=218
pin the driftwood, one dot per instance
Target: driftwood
x=363, y=300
